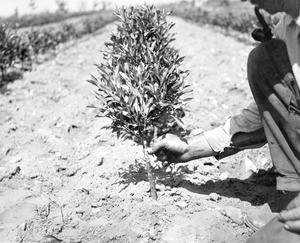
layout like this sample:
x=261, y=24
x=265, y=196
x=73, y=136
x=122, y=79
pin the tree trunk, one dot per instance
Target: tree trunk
x=153, y=192
x=2, y=74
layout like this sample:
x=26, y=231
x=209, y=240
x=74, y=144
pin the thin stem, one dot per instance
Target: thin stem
x=2, y=74
x=153, y=192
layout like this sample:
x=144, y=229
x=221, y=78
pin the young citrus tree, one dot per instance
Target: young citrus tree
x=140, y=85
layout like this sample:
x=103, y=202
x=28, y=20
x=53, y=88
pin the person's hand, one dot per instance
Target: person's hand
x=170, y=149
x=291, y=217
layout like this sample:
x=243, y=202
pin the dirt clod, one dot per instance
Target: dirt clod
x=214, y=197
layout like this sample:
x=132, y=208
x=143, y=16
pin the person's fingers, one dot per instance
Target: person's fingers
x=172, y=157
x=159, y=143
x=295, y=203
x=157, y=146
x=290, y=215
x=167, y=158
x=161, y=156
x=165, y=163
x=293, y=226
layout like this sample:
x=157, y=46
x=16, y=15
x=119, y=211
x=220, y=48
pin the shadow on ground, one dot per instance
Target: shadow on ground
x=258, y=189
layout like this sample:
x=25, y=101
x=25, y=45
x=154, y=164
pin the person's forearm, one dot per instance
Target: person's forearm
x=198, y=148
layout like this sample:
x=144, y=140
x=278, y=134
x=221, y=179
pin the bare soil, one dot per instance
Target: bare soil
x=62, y=176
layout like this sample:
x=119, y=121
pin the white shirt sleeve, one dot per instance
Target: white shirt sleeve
x=247, y=121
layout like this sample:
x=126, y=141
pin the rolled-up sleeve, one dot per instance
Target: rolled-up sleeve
x=247, y=121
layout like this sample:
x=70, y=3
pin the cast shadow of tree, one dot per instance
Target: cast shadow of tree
x=257, y=189
x=137, y=172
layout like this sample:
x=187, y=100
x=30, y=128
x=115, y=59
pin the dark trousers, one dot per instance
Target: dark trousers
x=277, y=96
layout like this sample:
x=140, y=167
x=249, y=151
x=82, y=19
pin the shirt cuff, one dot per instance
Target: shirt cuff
x=218, y=139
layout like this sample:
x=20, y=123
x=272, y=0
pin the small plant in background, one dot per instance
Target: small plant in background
x=25, y=53
x=140, y=85
x=9, y=46
x=18, y=50
x=70, y=30
x=88, y=27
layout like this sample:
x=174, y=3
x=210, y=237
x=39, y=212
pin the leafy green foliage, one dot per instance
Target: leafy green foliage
x=43, y=18
x=9, y=46
x=140, y=83
x=41, y=41
x=24, y=48
x=227, y=14
x=25, y=52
